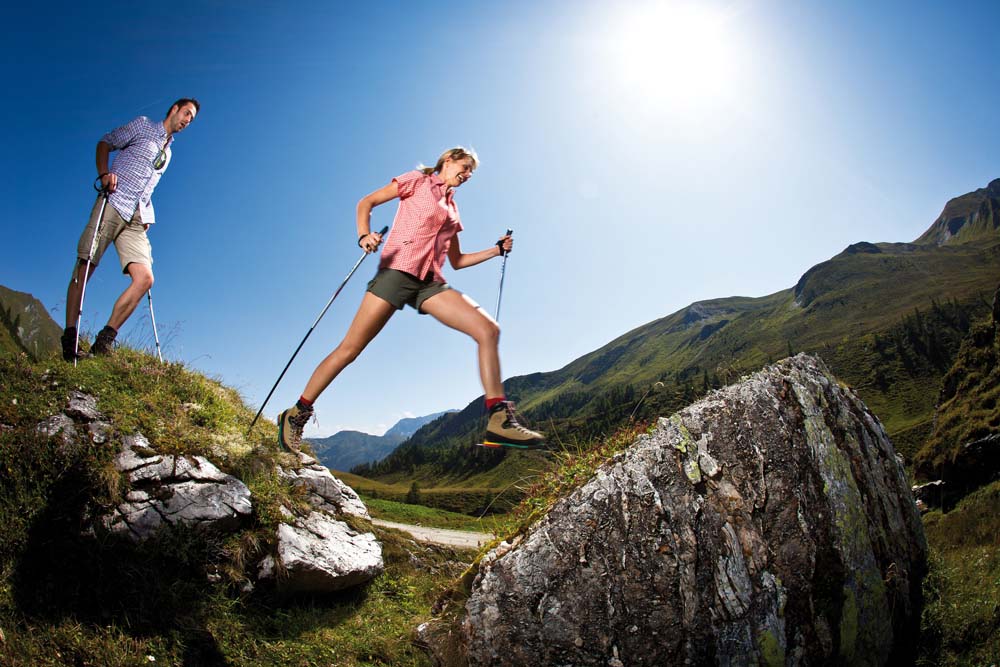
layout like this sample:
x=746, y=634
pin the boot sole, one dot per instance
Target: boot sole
x=281, y=434
x=490, y=444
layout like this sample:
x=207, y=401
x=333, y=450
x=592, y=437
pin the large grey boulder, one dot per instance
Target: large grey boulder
x=174, y=490
x=770, y=523
x=319, y=554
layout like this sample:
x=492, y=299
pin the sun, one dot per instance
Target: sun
x=671, y=55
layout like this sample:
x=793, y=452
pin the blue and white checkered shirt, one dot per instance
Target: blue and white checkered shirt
x=139, y=143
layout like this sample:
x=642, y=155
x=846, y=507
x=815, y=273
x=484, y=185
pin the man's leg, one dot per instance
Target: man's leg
x=74, y=291
x=109, y=227
x=142, y=281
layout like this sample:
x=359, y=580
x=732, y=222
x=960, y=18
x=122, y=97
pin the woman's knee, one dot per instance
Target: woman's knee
x=488, y=333
x=348, y=352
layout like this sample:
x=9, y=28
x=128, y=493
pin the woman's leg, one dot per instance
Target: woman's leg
x=372, y=315
x=463, y=314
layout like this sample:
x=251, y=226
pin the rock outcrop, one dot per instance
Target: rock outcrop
x=326, y=492
x=314, y=553
x=318, y=553
x=770, y=523
x=174, y=490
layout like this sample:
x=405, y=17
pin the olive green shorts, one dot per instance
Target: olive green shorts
x=400, y=288
x=129, y=238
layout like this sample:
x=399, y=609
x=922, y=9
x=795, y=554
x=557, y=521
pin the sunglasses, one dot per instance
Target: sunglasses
x=161, y=158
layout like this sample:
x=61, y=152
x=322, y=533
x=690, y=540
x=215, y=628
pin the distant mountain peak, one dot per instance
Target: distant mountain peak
x=971, y=216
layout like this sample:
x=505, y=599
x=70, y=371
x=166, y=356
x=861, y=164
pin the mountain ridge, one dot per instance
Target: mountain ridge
x=27, y=324
x=887, y=318
x=346, y=449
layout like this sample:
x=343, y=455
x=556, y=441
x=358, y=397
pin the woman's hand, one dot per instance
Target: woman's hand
x=370, y=242
x=505, y=244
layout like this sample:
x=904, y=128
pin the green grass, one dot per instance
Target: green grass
x=970, y=399
x=369, y=626
x=493, y=491
x=68, y=599
x=961, y=620
x=421, y=515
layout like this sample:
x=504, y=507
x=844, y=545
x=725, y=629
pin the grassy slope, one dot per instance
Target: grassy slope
x=970, y=396
x=961, y=621
x=39, y=333
x=65, y=599
x=843, y=309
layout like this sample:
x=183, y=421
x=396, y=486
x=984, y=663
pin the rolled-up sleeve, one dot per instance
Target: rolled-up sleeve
x=407, y=183
x=121, y=137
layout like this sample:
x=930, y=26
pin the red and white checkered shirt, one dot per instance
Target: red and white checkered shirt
x=425, y=224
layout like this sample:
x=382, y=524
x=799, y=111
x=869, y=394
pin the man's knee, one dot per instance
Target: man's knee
x=142, y=276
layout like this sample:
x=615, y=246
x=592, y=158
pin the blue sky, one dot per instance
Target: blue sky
x=647, y=155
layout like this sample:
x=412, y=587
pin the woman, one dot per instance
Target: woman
x=424, y=232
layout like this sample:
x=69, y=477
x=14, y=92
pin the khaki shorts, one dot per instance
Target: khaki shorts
x=129, y=238
x=400, y=288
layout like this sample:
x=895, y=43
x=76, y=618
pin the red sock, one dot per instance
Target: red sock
x=305, y=402
x=490, y=402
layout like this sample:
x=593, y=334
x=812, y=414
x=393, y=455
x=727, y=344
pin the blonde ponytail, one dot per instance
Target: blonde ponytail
x=457, y=153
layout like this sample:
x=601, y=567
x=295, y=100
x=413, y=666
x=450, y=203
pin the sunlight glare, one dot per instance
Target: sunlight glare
x=672, y=55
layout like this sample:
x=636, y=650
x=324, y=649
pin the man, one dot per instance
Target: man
x=143, y=155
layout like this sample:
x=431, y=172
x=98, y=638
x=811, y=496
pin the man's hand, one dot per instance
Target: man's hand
x=109, y=182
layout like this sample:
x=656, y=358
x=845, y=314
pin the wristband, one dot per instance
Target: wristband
x=361, y=237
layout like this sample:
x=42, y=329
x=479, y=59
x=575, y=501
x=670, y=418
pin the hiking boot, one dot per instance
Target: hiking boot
x=290, y=425
x=104, y=344
x=504, y=429
x=69, y=345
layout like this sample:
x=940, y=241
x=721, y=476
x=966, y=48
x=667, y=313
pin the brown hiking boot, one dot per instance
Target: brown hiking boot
x=290, y=425
x=504, y=429
x=69, y=345
x=104, y=344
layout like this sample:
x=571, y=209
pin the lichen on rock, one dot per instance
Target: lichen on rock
x=757, y=526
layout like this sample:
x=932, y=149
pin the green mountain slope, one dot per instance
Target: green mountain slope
x=887, y=318
x=972, y=216
x=26, y=325
x=968, y=408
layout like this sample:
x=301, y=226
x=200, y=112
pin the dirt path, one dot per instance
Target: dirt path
x=451, y=538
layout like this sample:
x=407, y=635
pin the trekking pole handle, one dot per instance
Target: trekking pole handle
x=502, y=251
x=99, y=186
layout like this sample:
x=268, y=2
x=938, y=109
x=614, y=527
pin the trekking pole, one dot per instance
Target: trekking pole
x=90, y=260
x=356, y=265
x=152, y=318
x=503, y=268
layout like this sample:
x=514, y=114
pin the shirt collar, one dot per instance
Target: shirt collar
x=439, y=183
x=162, y=132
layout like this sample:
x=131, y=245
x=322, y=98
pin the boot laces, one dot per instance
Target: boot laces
x=512, y=419
x=299, y=421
